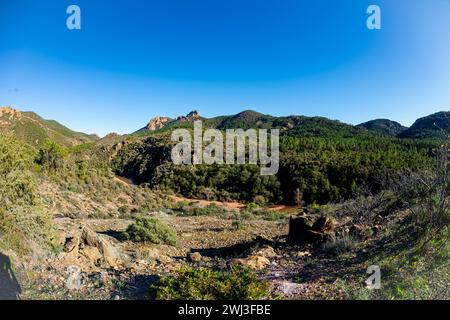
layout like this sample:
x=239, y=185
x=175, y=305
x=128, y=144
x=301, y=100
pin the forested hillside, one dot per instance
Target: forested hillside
x=383, y=126
x=34, y=130
x=435, y=126
x=138, y=226
x=322, y=169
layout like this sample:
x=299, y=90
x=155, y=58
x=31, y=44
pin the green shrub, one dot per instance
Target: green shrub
x=210, y=210
x=203, y=284
x=259, y=200
x=238, y=224
x=251, y=206
x=269, y=215
x=22, y=216
x=264, y=214
x=151, y=230
x=124, y=210
x=17, y=186
x=51, y=156
x=22, y=225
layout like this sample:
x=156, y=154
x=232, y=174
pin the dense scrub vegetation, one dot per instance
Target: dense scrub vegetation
x=433, y=126
x=204, y=284
x=321, y=169
x=23, y=218
x=383, y=127
x=85, y=170
x=413, y=249
x=51, y=156
x=151, y=230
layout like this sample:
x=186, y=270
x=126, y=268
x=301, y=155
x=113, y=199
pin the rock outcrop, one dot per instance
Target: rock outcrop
x=91, y=239
x=191, y=116
x=10, y=112
x=157, y=123
x=88, y=249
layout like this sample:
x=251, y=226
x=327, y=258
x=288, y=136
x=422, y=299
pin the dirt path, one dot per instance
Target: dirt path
x=205, y=203
x=234, y=205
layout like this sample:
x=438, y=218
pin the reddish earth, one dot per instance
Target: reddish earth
x=205, y=203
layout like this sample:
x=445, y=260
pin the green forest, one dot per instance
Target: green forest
x=321, y=169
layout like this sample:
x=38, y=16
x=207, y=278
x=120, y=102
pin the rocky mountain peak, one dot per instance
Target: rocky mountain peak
x=157, y=123
x=8, y=111
x=193, y=115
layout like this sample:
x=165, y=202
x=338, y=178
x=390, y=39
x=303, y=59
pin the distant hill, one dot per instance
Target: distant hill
x=433, y=126
x=33, y=129
x=436, y=125
x=290, y=125
x=246, y=120
x=321, y=127
x=383, y=126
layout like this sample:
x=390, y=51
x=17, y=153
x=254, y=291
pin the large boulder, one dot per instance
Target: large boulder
x=194, y=257
x=92, y=254
x=71, y=244
x=108, y=252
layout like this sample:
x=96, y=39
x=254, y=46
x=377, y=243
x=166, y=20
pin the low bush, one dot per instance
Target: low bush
x=124, y=210
x=238, y=224
x=203, y=284
x=269, y=215
x=339, y=246
x=151, y=230
x=51, y=156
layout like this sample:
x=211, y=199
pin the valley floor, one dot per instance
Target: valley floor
x=126, y=269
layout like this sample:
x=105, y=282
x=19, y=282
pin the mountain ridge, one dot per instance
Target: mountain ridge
x=311, y=126
x=383, y=126
x=436, y=125
x=31, y=128
x=34, y=129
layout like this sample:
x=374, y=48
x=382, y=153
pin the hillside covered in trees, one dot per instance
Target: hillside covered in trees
x=135, y=226
x=324, y=160
x=433, y=126
x=322, y=169
x=34, y=130
x=384, y=126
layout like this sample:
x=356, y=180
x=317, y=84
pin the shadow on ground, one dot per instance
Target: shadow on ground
x=9, y=286
x=137, y=287
x=234, y=250
x=118, y=235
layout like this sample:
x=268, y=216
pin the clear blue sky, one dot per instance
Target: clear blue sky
x=133, y=60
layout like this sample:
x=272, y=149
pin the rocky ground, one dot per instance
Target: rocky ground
x=95, y=262
x=92, y=259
